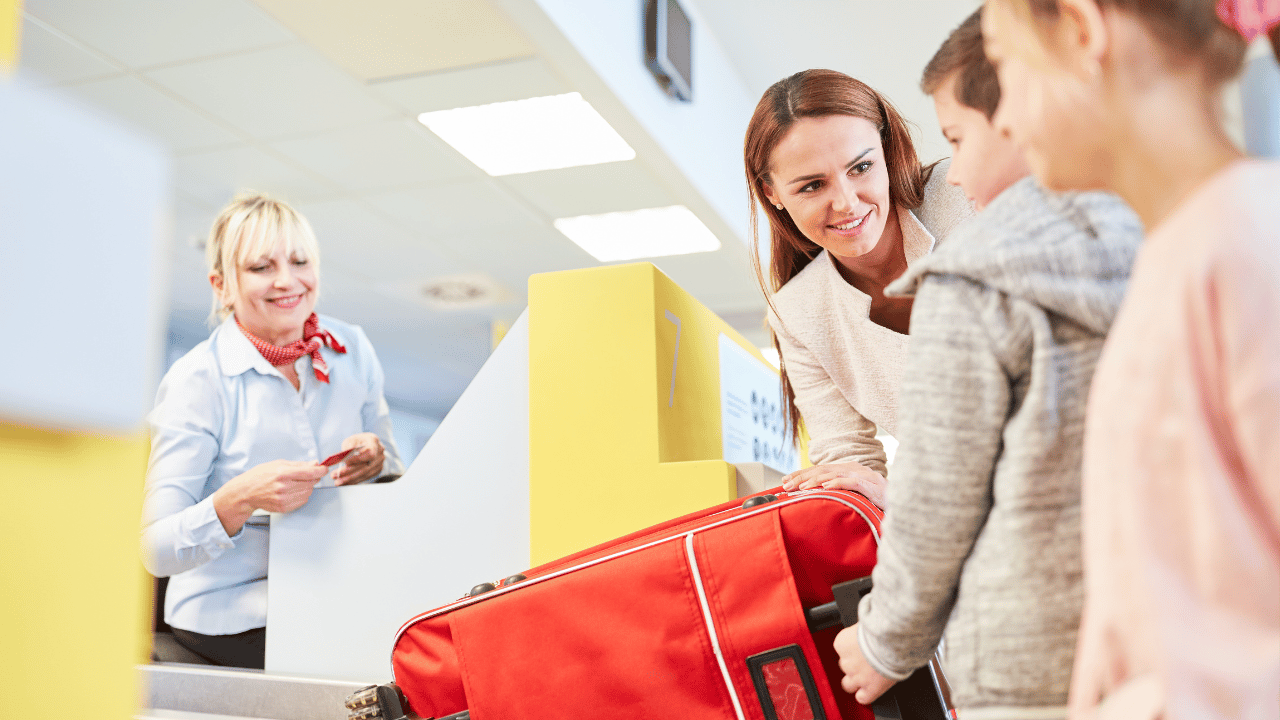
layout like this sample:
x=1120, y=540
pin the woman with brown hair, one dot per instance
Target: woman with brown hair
x=849, y=208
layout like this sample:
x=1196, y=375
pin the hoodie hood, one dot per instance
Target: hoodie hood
x=1069, y=253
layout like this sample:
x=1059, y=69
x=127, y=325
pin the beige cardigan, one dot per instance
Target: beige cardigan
x=844, y=368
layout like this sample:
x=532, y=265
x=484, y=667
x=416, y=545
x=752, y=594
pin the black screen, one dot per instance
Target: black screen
x=679, y=50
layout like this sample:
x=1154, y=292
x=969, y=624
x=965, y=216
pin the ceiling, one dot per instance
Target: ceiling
x=316, y=102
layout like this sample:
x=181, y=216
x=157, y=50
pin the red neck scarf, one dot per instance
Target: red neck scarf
x=312, y=338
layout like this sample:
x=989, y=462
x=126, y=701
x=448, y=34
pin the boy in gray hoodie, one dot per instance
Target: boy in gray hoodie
x=982, y=527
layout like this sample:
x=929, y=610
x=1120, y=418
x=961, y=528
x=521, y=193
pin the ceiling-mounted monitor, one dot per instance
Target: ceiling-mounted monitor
x=668, y=47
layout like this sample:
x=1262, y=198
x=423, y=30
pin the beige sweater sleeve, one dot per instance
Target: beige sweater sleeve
x=837, y=432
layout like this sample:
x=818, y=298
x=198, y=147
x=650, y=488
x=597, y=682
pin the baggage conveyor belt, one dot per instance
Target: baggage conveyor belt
x=174, y=691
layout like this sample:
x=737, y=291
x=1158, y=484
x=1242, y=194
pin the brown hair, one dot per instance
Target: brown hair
x=1274, y=36
x=815, y=94
x=1187, y=28
x=962, y=56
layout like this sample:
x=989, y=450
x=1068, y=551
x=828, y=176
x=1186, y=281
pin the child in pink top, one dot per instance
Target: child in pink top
x=1182, y=448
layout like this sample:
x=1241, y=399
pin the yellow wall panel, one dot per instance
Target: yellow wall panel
x=73, y=593
x=10, y=33
x=611, y=448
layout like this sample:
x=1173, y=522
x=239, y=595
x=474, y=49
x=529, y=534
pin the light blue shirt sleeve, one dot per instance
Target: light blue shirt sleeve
x=181, y=529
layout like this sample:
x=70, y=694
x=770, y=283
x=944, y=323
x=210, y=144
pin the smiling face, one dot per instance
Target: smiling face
x=829, y=175
x=264, y=265
x=984, y=161
x=276, y=294
x=1051, y=101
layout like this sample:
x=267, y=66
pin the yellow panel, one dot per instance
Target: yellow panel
x=10, y=33
x=611, y=448
x=73, y=594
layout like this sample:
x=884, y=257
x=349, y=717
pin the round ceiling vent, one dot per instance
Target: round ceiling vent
x=464, y=291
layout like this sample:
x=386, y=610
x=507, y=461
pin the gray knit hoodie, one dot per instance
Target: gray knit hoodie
x=982, y=528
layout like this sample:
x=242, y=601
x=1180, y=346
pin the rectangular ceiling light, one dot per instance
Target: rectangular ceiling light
x=541, y=133
x=653, y=232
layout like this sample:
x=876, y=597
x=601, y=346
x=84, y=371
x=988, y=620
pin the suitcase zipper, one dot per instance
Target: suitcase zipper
x=711, y=626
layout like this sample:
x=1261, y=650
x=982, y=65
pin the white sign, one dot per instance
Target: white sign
x=752, y=421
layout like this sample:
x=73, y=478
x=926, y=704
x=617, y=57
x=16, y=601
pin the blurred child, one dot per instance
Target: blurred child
x=1182, y=453
x=982, y=528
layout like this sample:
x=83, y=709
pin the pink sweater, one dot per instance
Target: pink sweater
x=1182, y=470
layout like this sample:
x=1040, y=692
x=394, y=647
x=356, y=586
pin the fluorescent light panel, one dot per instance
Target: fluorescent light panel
x=541, y=133
x=653, y=232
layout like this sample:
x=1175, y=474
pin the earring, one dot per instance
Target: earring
x=779, y=206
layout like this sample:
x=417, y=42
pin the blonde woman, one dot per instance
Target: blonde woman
x=242, y=422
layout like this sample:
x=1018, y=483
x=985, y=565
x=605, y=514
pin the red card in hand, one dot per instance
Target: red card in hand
x=336, y=458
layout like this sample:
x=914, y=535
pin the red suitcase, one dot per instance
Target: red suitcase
x=708, y=616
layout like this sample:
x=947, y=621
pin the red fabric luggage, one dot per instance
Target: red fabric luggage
x=700, y=618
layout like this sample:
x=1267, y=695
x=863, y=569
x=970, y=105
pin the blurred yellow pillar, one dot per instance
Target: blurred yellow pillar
x=10, y=33
x=74, y=596
x=498, y=329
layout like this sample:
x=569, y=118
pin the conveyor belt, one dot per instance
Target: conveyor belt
x=174, y=691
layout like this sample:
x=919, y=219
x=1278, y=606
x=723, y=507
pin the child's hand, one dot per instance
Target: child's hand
x=860, y=679
x=844, y=476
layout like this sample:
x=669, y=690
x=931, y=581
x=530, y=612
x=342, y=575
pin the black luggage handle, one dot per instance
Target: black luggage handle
x=922, y=696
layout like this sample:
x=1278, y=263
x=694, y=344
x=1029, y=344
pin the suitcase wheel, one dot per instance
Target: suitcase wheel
x=513, y=579
x=481, y=589
x=376, y=702
x=758, y=500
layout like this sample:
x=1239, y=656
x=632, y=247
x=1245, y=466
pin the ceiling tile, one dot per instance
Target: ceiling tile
x=359, y=240
x=177, y=125
x=282, y=92
x=214, y=177
x=591, y=189
x=512, y=255
x=384, y=38
x=379, y=156
x=457, y=208
x=499, y=82
x=49, y=57
x=143, y=33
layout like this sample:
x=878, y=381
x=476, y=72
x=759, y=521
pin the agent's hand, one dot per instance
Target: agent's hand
x=844, y=476
x=276, y=486
x=364, y=463
x=860, y=679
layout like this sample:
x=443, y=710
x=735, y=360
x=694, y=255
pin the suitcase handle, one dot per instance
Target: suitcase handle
x=921, y=696
x=841, y=612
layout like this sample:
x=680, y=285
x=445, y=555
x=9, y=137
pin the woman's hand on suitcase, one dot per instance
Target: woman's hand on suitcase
x=860, y=679
x=843, y=476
